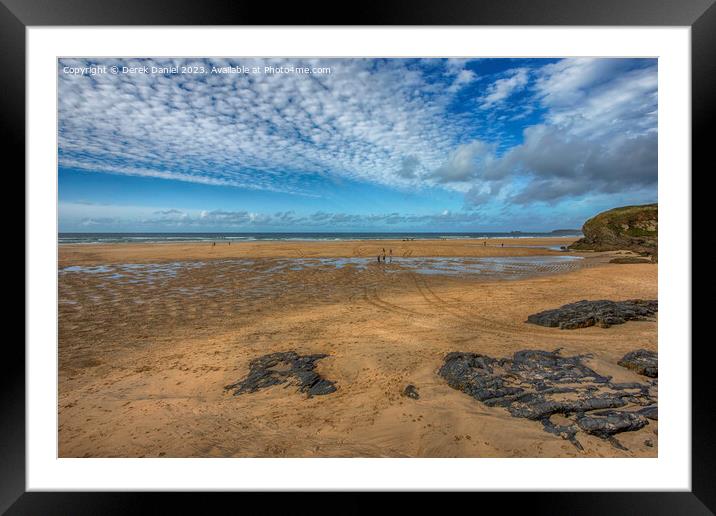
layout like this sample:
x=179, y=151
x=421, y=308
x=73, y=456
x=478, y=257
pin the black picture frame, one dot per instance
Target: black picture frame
x=17, y=15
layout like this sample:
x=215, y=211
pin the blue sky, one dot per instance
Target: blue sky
x=353, y=144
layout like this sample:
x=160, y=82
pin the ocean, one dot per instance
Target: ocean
x=107, y=238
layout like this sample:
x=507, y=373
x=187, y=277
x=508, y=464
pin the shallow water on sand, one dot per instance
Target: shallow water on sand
x=505, y=267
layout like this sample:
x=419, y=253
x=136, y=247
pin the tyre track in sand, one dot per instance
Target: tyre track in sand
x=371, y=297
x=434, y=301
x=482, y=324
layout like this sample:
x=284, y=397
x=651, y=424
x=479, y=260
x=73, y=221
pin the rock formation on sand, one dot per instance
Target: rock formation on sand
x=629, y=259
x=537, y=385
x=411, y=392
x=601, y=313
x=633, y=228
x=284, y=367
x=641, y=361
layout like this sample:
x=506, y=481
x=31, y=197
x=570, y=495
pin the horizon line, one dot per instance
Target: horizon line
x=301, y=232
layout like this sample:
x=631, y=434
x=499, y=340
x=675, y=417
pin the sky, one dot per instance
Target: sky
x=330, y=145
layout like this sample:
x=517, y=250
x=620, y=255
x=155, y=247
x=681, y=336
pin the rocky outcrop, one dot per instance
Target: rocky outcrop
x=607, y=423
x=630, y=259
x=650, y=412
x=601, y=313
x=641, y=361
x=284, y=368
x=537, y=385
x=633, y=228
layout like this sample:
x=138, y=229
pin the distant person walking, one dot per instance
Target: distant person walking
x=391, y=255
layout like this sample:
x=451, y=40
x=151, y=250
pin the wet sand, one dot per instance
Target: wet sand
x=151, y=334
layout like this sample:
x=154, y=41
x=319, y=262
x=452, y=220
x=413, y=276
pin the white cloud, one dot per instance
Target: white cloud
x=380, y=121
x=258, y=131
x=462, y=78
x=465, y=163
x=599, y=135
x=502, y=89
x=109, y=217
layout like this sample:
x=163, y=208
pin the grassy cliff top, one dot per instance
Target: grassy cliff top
x=634, y=221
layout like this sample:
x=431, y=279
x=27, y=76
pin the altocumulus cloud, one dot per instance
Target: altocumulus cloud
x=576, y=127
x=264, y=131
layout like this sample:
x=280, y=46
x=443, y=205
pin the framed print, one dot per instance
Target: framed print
x=413, y=251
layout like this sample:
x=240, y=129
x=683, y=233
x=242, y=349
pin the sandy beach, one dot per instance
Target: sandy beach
x=150, y=334
x=97, y=254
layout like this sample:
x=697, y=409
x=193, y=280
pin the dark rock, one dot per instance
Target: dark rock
x=473, y=374
x=321, y=387
x=630, y=259
x=630, y=385
x=641, y=361
x=542, y=409
x=602, y=313
x=606, y=424
x=411, y=392
x=550, y=366
x=650, y=412
x=287, y=368
x=568, y=432
x=537, y=385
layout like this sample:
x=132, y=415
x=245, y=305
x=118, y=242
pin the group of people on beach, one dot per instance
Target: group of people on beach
x=383, y=256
